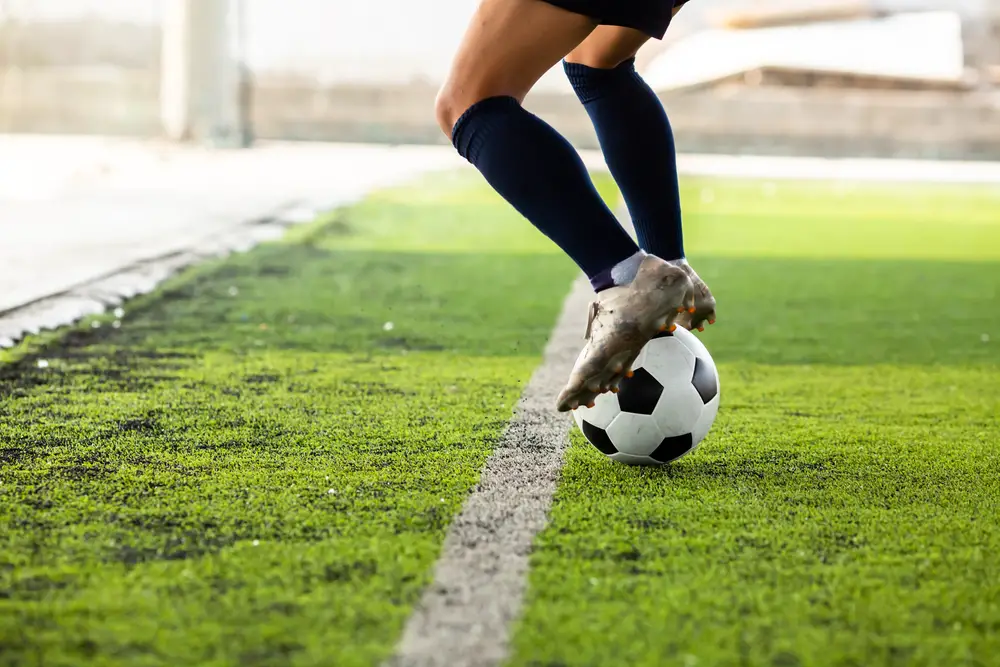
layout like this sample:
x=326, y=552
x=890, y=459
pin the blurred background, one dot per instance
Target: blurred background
x=872, y=78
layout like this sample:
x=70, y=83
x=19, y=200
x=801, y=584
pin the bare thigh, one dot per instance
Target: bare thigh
x=507, y=47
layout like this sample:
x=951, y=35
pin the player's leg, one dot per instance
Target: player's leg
x=508, y=46
x=638, y=145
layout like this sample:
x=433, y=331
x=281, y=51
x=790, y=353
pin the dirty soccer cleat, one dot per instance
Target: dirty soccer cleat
x=704, y=302
x=621, y=321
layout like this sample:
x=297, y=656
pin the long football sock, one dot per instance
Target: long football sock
x=541, y=175
x=638, y=145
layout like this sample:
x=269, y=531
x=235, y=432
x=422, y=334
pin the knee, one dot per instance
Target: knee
x=458, y=94
x=448, y=108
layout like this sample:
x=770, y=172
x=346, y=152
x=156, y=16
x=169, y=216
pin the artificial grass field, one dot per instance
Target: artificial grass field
x=845, y=510
x=258, y=469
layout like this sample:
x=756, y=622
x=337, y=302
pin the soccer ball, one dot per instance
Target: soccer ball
x=664, y=410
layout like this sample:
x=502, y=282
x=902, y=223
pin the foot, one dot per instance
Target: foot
x=622, y=320
x=704, y=302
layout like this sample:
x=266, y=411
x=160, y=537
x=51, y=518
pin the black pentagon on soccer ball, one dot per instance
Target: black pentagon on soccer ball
x=599, y=438
x=704, y=381
x=672, y=448
x=639, y=393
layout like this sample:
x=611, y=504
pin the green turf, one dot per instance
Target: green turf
x=752, y=219
x=257, y=468
x=843, y=511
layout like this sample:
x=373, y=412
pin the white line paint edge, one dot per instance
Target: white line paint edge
x=465, y=616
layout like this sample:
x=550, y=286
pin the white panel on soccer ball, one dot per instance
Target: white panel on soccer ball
x=635, y=434
x=637, y=364
x=691, y=342
x=705, y=422
x=680, y=407
x=667, y=358
x=604, y=411
x=633, y=460
x=706, y=382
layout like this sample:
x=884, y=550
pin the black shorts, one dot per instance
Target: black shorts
x=649, y=16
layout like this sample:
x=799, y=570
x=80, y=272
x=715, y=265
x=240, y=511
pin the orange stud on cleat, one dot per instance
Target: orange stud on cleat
x=629, y=373
x=614, y=390
x=711, y=321
x=663, y=327
x=673, y=328
x=691, y=310
x=701, y=328
x=680, y=309
x=591, y=404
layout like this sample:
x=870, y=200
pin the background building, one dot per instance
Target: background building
x=847, y=77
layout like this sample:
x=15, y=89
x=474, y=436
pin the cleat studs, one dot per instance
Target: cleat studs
x=591, y=404
x=629, y=373
x=712, y=321
x=691, y=310
x=673, y=328
x=701, y=328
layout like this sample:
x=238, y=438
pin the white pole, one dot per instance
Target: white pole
x=200, y=96
x=992, y=46
x=8, y=48
x=175, y=75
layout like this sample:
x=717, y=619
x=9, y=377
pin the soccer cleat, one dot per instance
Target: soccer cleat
x=703, y=309
x=621, y=321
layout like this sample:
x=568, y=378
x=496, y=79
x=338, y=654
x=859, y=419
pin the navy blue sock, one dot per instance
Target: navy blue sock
x=542, y=176
x=638, y=145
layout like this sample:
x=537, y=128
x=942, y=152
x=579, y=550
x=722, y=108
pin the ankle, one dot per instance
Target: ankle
x=622, y=273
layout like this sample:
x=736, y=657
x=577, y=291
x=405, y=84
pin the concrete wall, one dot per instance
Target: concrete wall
x=763, y=120
x=80, y=100
x=93, y=75
x=733, y=118
x=841, y=123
